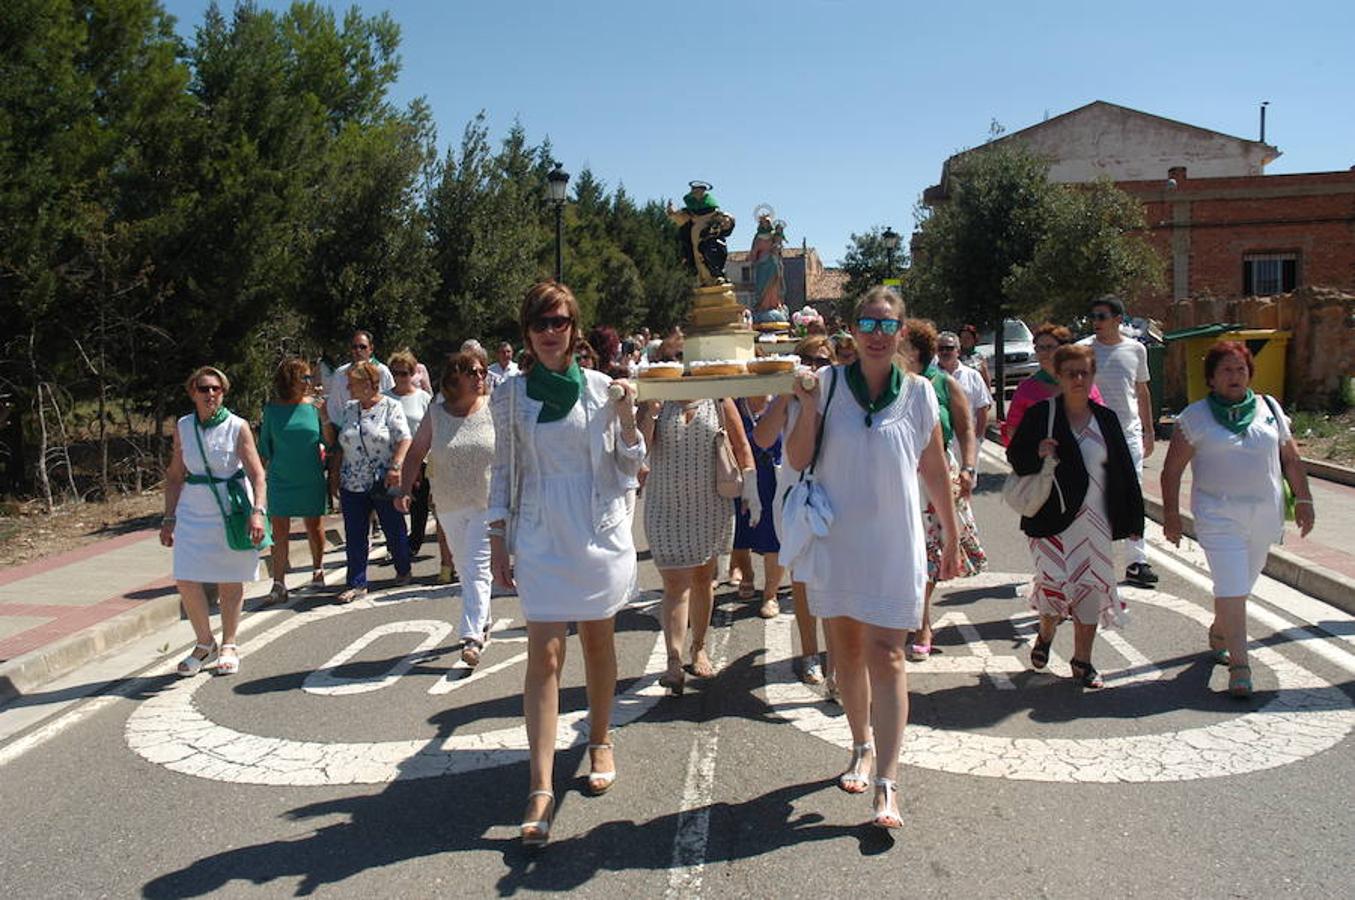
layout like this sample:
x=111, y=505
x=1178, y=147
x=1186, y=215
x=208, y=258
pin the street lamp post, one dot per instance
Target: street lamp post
x=558, y=181
x=890, y=238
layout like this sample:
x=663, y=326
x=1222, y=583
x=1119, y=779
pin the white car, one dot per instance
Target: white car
x=1018, y=354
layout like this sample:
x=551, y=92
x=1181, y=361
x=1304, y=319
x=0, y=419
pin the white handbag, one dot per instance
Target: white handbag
x=806, y=513
x=1027, y=494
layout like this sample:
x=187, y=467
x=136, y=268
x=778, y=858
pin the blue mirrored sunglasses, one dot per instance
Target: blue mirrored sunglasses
x=867, y=325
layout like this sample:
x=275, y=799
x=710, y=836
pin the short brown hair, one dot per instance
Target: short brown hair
x=543, y=296
x=813, y=344
x=1223, y=349
x=459, y=364
x=367, y=371
x=922, y=338
x=1070, y=352
x=1060, y=333
x=216, y=373
x=403, y=357
x=289, y=381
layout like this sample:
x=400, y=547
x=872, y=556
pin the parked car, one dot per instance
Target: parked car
x=1018, y=354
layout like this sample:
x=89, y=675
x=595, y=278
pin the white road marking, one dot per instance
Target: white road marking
x=993, y=668
x=448, y=683
x=688, y=868
x=1141, y=667
x=1306, y=716
x=169, y=730
x=323, y=681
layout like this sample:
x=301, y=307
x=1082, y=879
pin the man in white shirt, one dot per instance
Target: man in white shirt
x=970, y=380
x=503, y=366
x=1122, y=377
x=362, y=347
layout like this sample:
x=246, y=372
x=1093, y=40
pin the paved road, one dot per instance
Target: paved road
x=354, y=755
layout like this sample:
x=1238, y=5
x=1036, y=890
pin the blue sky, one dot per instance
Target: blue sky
x=839, y=113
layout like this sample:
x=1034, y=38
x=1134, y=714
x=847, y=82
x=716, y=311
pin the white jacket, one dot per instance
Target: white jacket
x=615, y=465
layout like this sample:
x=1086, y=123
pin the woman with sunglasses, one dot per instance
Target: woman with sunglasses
x=772, y=426
x=565, y=459
x=414, y=401
x=214, y=467
x=294, y=432
x=456, y=438
x=1095, y=500
x=880, y=437
x=1043, y=384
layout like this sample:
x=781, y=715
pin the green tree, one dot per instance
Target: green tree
x=868, y=262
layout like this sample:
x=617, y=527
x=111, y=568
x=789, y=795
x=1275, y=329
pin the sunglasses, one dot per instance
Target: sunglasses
x=551, y=323
x=816, y=362
x=868, y=324
x=400, y=373
x=1075, y=374
x=474, y=373
x=1046, y=348
x=360, y=346
x=308, y=378
x=208, y=388
x=1101, y=315
x=947, y=348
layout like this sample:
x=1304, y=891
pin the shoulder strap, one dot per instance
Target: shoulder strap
x=207, y=469
x=1053, y=408
x=818, y=437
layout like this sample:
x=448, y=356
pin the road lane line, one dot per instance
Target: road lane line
x=992, y=668
x=687, y=870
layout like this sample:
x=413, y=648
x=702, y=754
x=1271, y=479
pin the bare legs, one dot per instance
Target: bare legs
x=541, y=697
x=869, y=662
x=194, y=598
x=1084, y=637
x=688, y=598
x=282, y=549
x=922, y=638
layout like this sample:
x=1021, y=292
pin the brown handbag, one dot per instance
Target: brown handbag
x=728, y=475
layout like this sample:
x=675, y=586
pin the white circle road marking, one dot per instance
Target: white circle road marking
x=323, y=681
x=1307, y=716
x=169, y=730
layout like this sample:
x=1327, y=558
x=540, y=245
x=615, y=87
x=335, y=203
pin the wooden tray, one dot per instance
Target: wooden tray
x=715, y=387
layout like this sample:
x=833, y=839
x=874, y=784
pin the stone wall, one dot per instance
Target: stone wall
x=1321, y=322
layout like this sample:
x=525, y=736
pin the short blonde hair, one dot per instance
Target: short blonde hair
x=216, y=373
x=879, y=293
x=403, y=357
x=367, y=371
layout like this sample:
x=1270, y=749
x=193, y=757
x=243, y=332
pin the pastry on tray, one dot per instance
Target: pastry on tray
x=773, y=365
x=660, y=370
x=771, y=326
x=710, y=368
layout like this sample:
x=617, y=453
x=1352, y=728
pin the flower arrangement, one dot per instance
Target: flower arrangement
x=801, y=320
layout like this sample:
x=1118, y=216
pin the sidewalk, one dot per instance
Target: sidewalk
x=1322, y=564
x=60, y=612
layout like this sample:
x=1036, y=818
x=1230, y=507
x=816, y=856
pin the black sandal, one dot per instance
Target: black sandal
x=1086, y=673
x=1039, y=654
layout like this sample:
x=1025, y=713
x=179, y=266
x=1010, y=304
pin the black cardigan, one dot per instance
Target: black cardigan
x=1124, y=497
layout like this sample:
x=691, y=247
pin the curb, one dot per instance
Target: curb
x=1285, y=567
x=1329, y=471
x=20, y=675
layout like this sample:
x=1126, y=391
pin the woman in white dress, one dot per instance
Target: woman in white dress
x=214, y=469
x=879, y=433
x=457, y=438
x=1095, y=500
x=1241, y=453
x=566, y=456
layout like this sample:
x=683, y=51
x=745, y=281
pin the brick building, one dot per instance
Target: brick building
x=1222, y=226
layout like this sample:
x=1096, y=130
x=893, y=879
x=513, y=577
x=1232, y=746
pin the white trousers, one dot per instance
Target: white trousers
x=469, y=542
x=1135, y=551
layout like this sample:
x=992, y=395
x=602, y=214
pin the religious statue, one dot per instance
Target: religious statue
x=702, y=229
x=769, y=274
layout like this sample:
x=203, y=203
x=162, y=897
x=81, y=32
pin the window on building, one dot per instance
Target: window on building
x=746, y=274
x=1269, y=273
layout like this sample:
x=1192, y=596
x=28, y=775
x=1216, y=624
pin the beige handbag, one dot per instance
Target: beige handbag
x=728, y=475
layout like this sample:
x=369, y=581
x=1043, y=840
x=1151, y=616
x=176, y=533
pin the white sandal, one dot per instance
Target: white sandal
x=228, y=664
x=600, y=783
x=192, y=664
x=536, y=833
x=852, y=781
x=888, y=818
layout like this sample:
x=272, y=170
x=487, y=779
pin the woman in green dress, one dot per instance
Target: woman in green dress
x=295, y=431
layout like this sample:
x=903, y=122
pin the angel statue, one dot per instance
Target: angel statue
x=702, y=229
x=769, y=274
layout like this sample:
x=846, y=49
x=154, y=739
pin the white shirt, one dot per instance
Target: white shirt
x=1120, y=369
x=415, y=405
x=971, y=382
x=337, y=397
x=498, y=373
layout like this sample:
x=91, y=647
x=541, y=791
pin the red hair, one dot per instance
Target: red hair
x=1223, y=349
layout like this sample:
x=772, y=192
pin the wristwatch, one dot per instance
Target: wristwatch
x=261, y=511
x=970, y=469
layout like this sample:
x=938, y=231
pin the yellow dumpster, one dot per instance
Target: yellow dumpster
x=1268, y=347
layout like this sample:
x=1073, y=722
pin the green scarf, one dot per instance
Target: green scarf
x=557, y=391
x=1236, y=417
x=857, y=382
x=941, y=385
x=1042, y=375
x=221, y=415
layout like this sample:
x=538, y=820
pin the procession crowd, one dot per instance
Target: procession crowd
x=855, y=488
